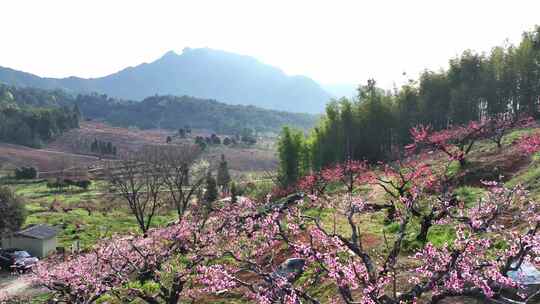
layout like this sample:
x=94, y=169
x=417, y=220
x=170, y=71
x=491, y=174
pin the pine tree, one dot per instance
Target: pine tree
x=234, y=193
x=223, y=176
x=76, y=116
x=94, y=147
x=182, y=133
x=211, y=193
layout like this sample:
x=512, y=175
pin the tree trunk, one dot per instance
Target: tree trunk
x=424, y=229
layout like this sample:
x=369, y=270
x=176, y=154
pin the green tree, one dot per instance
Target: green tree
x=182, y=133
x=223, y=175
x=94, y=147
x=407, y=104
x=234, y=193
x=25, y=173
x=77, y=115
x=211, y=193
x=12, y=210
x=293, y=156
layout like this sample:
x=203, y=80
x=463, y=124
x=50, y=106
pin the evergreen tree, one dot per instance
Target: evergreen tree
x=94, y=147
x=234, y=193
x=223, y=176
x=215, y=140
x=293, y=156
x=182, y=132
x=211, y=193
x=77, y=115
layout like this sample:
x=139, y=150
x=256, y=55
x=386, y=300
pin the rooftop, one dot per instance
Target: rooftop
x=40, y=232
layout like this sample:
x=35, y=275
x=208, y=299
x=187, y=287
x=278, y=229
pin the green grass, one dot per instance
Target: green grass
x=369, y=223
x=323, y=291
x=88, y=229
x=440, y=235
x=38, y=190
x=453, y=169
x=469, y=195
x=511, y=137
x=529, y=178
x=78, y=224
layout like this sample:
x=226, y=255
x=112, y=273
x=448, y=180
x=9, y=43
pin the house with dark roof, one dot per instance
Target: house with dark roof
x=39, y=240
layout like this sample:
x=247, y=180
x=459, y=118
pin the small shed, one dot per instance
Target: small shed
x=39, y=240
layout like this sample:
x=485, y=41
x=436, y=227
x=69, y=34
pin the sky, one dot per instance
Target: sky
x=329, y=41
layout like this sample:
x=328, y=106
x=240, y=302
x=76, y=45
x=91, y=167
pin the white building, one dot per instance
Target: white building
x=39, y=240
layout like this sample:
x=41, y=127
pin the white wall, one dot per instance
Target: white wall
x=37, y=248
x=49, y=247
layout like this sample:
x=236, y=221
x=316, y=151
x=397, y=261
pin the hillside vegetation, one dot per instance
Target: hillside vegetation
x=170, y=112
x=33, y=125
x=476, y=87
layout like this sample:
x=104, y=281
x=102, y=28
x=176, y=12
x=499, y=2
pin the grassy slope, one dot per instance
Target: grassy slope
x=78, y=223
x=485, y=163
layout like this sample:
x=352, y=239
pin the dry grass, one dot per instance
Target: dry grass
x=45, y=160
x=66, y=152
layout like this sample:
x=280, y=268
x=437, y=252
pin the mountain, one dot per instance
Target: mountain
x=202, y=73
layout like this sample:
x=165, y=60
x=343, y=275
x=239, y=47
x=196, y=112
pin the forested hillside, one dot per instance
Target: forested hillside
x=33, y=125
x=170, y=112
x=204, y=73
x=475, y=87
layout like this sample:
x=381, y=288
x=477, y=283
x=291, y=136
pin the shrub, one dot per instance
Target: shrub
x=57, y=184
x=12, y=210
x=84, y=184
x=25, y=173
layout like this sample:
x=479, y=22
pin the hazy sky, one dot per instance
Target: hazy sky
x=330, y=41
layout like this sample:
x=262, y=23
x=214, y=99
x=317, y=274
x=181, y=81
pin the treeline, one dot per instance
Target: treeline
x=103, y=147
x=170, y=112
x=173, y=112
x=27, y=96
x=33, y=126
x=375, y=126
x=246, y=137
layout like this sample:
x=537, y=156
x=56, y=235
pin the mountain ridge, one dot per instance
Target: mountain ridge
x=202, y=72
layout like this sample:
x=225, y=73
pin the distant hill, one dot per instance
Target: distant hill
x=173, y=112
x=160, y=111
x=203, y=73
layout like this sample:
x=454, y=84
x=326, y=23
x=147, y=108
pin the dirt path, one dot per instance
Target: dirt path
x=13, y=285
